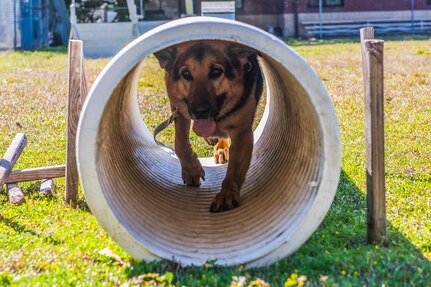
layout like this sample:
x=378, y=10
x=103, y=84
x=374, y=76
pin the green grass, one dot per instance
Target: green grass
x=46, y=243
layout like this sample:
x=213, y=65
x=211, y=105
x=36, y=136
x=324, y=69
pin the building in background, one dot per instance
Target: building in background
x=338, y=17
x=110, y=24
x=303, y=17
x=299, y=17
x=345, y=17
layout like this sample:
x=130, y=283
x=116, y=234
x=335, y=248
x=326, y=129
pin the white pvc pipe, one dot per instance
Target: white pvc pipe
x=134, y=187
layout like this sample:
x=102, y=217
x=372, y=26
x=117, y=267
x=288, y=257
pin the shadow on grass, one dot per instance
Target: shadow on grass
x=339, y=248
x=53, y=50
x=57, y=49
x=23, y=229
x=336, y=253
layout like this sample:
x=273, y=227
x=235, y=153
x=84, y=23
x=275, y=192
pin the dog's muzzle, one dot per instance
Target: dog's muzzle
x=202, y=110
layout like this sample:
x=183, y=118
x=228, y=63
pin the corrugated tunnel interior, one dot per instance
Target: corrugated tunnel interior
x=135, y=189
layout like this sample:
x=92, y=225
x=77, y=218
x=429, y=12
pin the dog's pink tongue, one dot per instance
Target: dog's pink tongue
x=204, y=128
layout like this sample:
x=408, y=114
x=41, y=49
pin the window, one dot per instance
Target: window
x=238, y=4
x=159, y=9
x=101, y=11
x=328, y=3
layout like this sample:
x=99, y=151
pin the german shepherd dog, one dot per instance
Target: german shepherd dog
x=217, y=85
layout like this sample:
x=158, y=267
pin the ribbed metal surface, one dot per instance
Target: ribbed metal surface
x=143, y=184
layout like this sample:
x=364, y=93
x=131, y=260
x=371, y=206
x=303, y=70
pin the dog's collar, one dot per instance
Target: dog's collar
x=163, y=126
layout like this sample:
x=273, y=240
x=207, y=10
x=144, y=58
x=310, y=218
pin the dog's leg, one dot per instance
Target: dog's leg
x=221, y=151
x=239, y=162
x=191, y=168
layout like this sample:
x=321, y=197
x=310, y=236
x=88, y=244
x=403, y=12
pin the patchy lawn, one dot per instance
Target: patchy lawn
x=43, y=242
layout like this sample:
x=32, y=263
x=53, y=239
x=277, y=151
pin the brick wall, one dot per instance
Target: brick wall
x=359, y=6
x=261, y=7
x=253, y=7
x=383, y=5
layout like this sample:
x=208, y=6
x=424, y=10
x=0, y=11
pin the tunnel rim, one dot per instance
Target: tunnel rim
x=121, y=64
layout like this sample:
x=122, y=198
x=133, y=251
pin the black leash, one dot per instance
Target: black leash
x=163, y=126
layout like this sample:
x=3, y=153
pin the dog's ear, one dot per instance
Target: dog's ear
x=241, y=55
x=166, y=57
x=238, y=51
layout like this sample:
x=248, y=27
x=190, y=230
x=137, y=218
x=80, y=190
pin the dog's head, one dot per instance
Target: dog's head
x=206, y=80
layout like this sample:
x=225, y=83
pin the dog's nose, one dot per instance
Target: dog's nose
x=201, y=110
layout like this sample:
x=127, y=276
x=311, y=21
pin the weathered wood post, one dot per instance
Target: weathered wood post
x=372, y=59
x=15, y=194
x=11, y=156
x=7, y=163
x=47, y=187
x=37, y=173
x=78, y=89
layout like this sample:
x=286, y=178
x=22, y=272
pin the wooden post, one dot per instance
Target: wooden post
x=7, y=163
x=11, y=156
x=47, y=187
x=14, y=193
x=37, y=173
x=78, y=89
x=372, y=57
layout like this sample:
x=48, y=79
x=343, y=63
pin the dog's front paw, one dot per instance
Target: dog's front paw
x=221, y=151
x=221, y=155
x=192, y=173
x=225, y=200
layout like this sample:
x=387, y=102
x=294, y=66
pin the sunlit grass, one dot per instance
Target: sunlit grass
x=43, y=242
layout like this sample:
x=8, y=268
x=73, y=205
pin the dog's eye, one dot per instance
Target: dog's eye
x=186, y=75
x=215, y=73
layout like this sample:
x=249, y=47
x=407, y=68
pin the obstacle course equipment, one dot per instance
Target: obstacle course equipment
x=134, y=187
